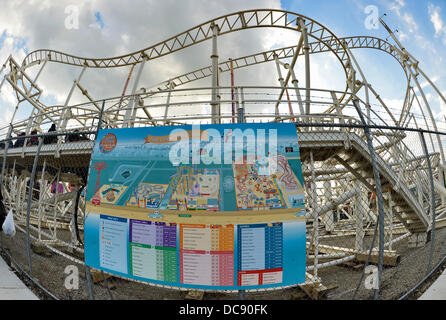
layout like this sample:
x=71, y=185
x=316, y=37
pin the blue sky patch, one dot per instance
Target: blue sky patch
x=99, y=19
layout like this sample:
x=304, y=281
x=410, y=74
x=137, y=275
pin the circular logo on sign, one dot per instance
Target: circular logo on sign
x=108, y=143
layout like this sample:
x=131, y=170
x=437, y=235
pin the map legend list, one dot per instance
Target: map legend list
x=207, y=254
x=260, y=254
x=153, y=252
x=112, y=243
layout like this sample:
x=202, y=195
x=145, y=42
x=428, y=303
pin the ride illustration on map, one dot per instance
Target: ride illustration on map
x=218, y=207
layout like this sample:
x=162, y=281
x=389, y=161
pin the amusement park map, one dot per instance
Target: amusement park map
x=198, y=211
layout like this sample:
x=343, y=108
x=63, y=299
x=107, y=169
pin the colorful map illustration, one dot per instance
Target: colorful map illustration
x=255, y=191
x=110, y=193
x=151, y=181
x=147, y=195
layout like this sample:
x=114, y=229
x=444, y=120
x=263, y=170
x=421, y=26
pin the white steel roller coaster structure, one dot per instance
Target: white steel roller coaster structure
x=336, y=157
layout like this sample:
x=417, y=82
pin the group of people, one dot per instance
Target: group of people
x=51, y=139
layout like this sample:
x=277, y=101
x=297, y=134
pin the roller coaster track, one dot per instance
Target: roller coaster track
x=229, y=23
x=357, y=42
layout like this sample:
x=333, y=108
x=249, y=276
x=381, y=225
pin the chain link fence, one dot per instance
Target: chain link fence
x=375, y=203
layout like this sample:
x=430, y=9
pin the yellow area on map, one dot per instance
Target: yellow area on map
x=196, y=217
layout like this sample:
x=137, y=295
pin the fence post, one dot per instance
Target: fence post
x=28, y=208
x=379, y=196
x=87, y=268
x=5, y=153
x=432, y=198
x=3, y=170
x=89, y=282
x=101, y=114
x=315, y=215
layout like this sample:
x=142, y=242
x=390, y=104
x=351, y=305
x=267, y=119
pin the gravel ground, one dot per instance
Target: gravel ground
x=48, y=270
x=25, y=279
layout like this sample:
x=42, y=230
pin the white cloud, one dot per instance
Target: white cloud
x=409, y=19
x=402, y=36
x=437, y=21
x=435, y=18
x=405, y=16
x=397, y=5
x=395, y=106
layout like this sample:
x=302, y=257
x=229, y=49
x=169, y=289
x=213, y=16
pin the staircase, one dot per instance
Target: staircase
x=405, y=204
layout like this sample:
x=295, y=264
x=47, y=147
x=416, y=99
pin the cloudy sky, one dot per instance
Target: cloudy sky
x=109, y=28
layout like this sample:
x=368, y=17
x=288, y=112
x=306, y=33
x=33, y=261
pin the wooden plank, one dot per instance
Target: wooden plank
x=194, y=295
x=440, y=223
x=315, y=290
x=388, y=260
x=96, y=276
x=353, y=265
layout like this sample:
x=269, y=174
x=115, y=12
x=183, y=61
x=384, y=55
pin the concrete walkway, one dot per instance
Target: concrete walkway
x=437, y=291
x=11, y=287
